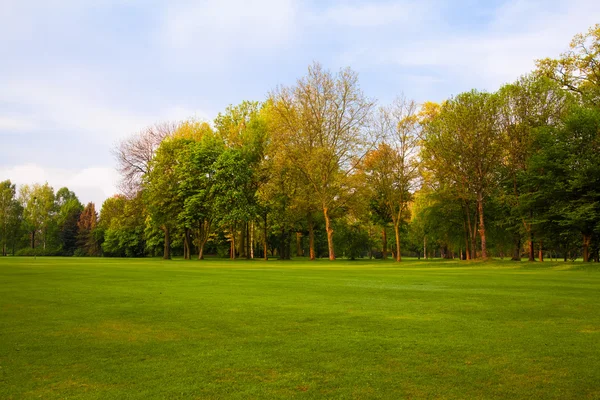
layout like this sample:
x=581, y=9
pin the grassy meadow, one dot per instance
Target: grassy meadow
x=86, y=328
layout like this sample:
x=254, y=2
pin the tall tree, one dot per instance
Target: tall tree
x=566, y=173
x=321, y=123
x=464, y=144
x=531, y=103
x=392, y=168
x=196, y=174
x=161, y=189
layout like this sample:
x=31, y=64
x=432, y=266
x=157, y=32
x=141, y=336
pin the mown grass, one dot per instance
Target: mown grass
x=140, y=329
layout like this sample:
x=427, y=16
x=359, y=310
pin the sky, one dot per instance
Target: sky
x=78, y=76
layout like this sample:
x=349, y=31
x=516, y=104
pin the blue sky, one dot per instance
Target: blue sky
x=78, y=76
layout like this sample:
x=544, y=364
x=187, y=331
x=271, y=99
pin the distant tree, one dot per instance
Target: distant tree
x=39, y=211
x=10, y=214
x=69, y=210
x=86, y=225
x=122, y=223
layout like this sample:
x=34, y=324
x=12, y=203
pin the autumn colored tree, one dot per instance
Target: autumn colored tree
x=88, y=221
x=392, y=168
x=321, y=124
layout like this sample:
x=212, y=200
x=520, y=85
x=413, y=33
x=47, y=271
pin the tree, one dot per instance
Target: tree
x=393, y=168
x=122, y=222
x=566, y=173
x=39, y=210
x=578, y=69
x=88, y=221
x=69, y=210
x=135, y=154
x=161, y=189
x=196, y=174
x=464, y=146
x=233, y=191
x=531, y=103
x=10, y=214
x=321, y=125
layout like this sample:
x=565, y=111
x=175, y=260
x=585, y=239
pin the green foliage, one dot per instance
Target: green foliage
x=10, y=216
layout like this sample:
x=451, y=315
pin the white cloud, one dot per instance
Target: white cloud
x=94, y=184
x=84, y=109
x=520, y=32
x=374, y=14
x=15, y=124
x=210, y=30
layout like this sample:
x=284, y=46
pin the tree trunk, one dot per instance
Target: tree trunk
x=484, y=254
x=370, y=243
x=203, y=232
x=467, y=254
x=587, y=239
x=299, y=244
x=201, y=251
x=425, y=247
x=265, y=248
x=252, y=239
x=329, y=230
x=517, y=248
x=167, y=249
x=397, y=233
x=33, y=239
x=541, y=252
x=530, y=231
x=311, y=238
x=472, y=246
x=531, y=247
x=247, y=242
x=384, y=250
x=186, y=244
x=232, y=254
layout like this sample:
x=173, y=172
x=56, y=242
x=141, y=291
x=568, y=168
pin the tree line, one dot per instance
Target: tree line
x=319, y=169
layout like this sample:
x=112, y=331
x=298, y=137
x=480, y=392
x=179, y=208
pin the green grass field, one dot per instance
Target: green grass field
x=138, y=329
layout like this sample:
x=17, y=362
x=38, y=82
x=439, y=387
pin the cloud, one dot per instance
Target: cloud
x=16, y=124
x=218, y=29
x=94, y=184
x=84, y=110
x=485, y=56
x=373, y=14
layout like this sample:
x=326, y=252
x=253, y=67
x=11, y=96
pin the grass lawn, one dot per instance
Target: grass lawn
x=139, y=329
